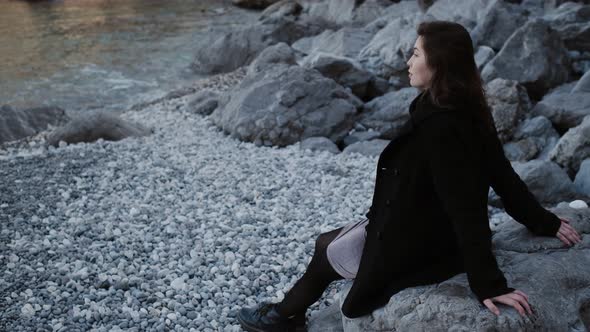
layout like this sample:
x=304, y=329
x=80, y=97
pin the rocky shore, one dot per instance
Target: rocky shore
x=176, y=212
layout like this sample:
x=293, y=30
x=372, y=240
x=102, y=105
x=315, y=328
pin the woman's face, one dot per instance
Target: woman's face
x=420, y=74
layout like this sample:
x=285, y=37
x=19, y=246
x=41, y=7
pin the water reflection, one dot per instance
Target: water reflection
x=99, y=53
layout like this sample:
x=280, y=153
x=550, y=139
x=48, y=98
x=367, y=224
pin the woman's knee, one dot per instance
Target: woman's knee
x=324, y=239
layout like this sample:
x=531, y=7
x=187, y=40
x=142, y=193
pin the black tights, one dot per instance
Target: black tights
x=310, y=287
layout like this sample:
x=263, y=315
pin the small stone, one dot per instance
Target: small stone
x=578, y=204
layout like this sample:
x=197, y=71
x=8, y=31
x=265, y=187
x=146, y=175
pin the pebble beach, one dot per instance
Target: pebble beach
x=172, y=231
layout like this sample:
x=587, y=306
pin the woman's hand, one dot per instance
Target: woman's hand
x=518, y=299
x=567, y=234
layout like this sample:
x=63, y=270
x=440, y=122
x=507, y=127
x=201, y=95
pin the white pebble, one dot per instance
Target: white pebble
x=578, y=204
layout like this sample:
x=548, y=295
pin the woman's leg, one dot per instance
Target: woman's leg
x=310, y=287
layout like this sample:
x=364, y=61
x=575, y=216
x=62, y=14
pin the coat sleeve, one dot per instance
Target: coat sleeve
x=456, y=173
x=518, y=201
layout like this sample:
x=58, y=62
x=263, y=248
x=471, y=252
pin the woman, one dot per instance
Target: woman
x=428, y=219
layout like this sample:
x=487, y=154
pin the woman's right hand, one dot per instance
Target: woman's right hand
x=567, y=234
x=517, y=299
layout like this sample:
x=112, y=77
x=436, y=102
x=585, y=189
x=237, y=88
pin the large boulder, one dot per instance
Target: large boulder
x=483, y=55
x=583, y=84
x=17, y=124
x=203, y=102
x=319, y=144
x=281, y=9
x=564, y=109
x=388, y=113
x=521, y=150
x=534, y=138
x=238, y=48
x=509, y=102
x=277, y=54
x=347, y=42
x=369, y=148
x=554, y=276
x=254, y=4
x=572, y=22
x=346, y=71
x=573, y=147
x=465, y=12
x=387, y=53
x=91, y=126
x=548, y=182
x=286, y=104
x=534, y=56
x=499, y=21
x=582, y=180
x=346, y=12
x=359, y=136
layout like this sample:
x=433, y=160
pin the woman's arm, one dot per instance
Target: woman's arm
x=456, y=172
x=518, y=201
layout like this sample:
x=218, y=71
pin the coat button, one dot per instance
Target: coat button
x=387, y=202
x=383, y=168
x=395, y=171
x=379, y=235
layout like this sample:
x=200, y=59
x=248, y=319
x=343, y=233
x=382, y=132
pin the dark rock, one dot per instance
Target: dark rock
x=91, y=126
x=17, y=124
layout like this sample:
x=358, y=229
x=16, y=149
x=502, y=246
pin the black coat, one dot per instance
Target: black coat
x=429, y=219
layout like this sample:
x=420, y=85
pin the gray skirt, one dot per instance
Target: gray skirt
x=344, y=252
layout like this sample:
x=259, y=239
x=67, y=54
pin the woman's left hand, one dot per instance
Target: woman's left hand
x=567, y=234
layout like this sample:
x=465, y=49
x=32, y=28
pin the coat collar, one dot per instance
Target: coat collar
x=422, y=107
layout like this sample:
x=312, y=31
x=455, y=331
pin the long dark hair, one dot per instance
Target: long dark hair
x=456, y=79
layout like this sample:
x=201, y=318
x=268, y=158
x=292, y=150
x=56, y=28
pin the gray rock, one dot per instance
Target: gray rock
x=582, y=180
x=509, y=102
x=573, y=147
x=565, y=110
x=563, y=88
x=583, y=84
x=281, y=9
x=327, y=320
x=386, y=114
x=397, y=10
x=17, y=124
x=91, y=126
x=425, y=4
x=538, y=126
x=241, y=46
x=555, y=278
x=465, y=12
x=580, y=62
x=254, y=4
x=370, y=148
x=483, y=55
x=346, y=42
x=499, y=21
x=572, y=23
x=283, y=105
x=278, y=54
x=346, y=12
x=359, y=136
x=521, y=150
x=548, y=182
x=387, y=53
x=203, y=102
x=550, y=5
x=345, y=71
x=535, y=137
x=534, y=56
x=319, y=144
x=536, y=8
